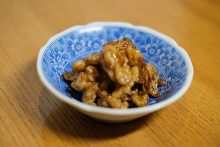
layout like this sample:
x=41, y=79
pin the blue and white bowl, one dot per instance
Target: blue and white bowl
x=63, y=49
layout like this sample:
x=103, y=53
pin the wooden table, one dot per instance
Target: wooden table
x=31, y=116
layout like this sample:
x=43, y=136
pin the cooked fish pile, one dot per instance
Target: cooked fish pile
x=116, y=77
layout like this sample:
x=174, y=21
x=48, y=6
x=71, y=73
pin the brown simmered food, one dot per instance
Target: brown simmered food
x=116, y=77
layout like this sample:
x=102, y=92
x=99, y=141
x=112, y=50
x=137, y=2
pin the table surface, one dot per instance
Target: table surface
x=31, y=116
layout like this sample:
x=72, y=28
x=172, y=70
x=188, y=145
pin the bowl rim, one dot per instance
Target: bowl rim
x=119, y=112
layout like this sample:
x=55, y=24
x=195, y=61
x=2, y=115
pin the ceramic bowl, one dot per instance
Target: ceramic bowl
x=77, y=42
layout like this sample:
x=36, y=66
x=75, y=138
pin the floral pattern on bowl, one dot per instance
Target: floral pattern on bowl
x=62, y=50
x=73, y=46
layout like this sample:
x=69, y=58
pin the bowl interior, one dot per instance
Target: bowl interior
x=59, y=55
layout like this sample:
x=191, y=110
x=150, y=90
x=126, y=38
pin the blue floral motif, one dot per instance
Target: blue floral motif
x=78, y=46
x=96, y=44
x=65, y=50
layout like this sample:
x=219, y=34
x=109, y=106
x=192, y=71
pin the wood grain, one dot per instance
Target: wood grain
x=31, y=116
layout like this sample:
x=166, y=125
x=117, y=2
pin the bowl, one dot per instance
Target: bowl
x=58, y=54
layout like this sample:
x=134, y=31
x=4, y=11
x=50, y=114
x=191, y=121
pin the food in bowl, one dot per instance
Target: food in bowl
x=115, y=77
x=62, y=50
